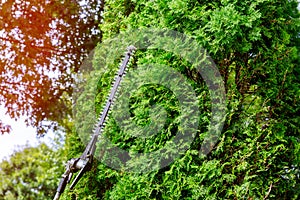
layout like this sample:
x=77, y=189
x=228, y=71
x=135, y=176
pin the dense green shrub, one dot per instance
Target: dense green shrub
x=255, y=45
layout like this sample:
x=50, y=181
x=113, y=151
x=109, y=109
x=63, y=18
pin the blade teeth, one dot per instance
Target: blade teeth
x=97, y=124
x=113, y=101
x=118, y=76
x=95, y=127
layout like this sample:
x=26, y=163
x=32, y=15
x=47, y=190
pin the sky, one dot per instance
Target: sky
x=19, y=136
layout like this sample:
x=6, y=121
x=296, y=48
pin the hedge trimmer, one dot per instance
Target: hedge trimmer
x=84, y=162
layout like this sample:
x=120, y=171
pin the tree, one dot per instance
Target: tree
x=42, y=46
x=255, y=45
x=31, y=173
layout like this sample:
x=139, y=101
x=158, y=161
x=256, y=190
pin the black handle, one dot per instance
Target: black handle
x=62, y=184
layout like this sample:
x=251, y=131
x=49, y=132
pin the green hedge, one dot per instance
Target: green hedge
x=255, y=45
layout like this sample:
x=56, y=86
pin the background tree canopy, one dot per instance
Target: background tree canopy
x=31, y=173
x=42, y=45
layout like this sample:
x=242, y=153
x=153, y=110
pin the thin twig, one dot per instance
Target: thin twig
x=268, y=193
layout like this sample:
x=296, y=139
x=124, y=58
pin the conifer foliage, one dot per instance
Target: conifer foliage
x=255, y=45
